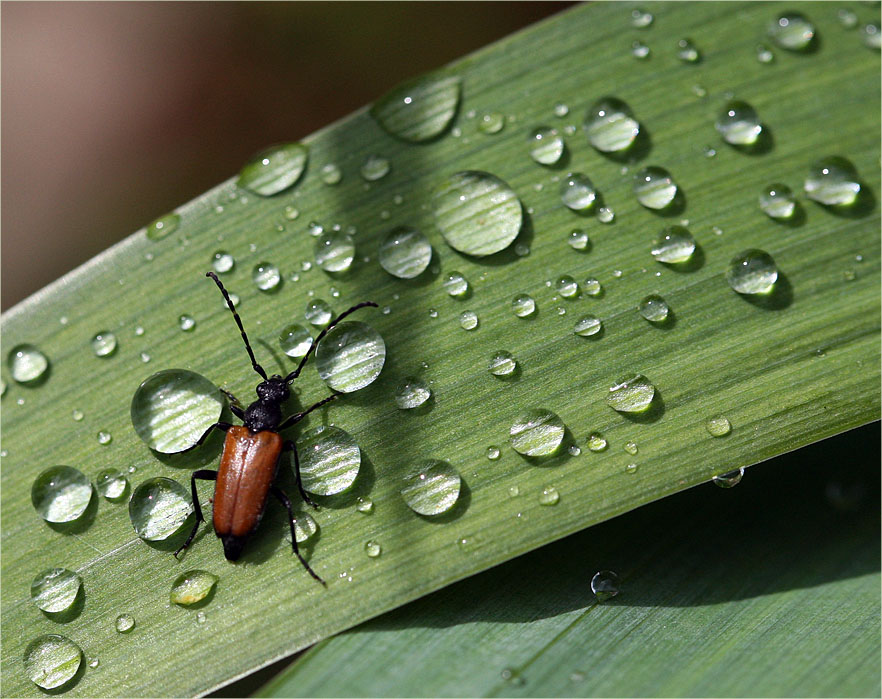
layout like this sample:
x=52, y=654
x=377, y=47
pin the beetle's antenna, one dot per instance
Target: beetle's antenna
x=257, y=367
x=294, y=374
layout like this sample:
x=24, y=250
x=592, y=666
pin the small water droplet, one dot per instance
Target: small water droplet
x=640, y=18
x=111, y=484
x=295, y=340
x=546, y=145
x=104, y=438
x=26, y=363
x=730, y=479
x=577, y=676
x=605, y=585
x=549, y=496
x=104, y=343
x=304, y=527
x=291, y=212
x=654, y=187
x=596, y=442
x=491, y=123
x=330, y=174
x=606, y=215
x=511, y=676
x=411, y=393
x=654, y=308
x=561, y=110
x=77, y=415
x=631, y=448
x=752, y=272
x=125, y=623
x=764, y=54
x=163, y=226
x=577, y=192
x=159, y=508
x=493, y=453
x=687, y=51
x=847, y=18
x=95, y=662
x=502, y=363
x=192, y=587
x=592, y=287
x=718, y=426
x=335, y=251
x=777, y=201
x=792, y=31
x=587, y=326
x=872, y=36
x=468, y=320
x=739, y=124
x=350, y=356
x=674, y=245
x=186, y=322
x=55, y=590
x=537, y=432
x=610, y=125
x=201, y=618
x=318, y=312
x=578, y=239
x=372, y=548
x=364, y=505
x=375, y=167
x=432, y=489
x=273, y=170
x=640, y=50
x=567, y=287
x=433, y=313
x=833, y=181
x=523, y=305
x=222, y=262
x=315, y=229
x=51, y=661
x=633, y=394
x=329, y=460
x=61, y=494
x=266, y=276
x=521, y=249
x=405, y=252
x=456, y=285
x=419, y=110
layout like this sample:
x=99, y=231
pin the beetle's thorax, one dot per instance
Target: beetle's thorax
x=263, y=415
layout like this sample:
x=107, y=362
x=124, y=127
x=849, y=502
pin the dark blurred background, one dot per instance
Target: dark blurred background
x=115, y=113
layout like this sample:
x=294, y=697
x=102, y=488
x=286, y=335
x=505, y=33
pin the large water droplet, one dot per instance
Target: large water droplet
x=605, y=585
x=111, y=484
x=777, y=201
x=329, y=460
x=295, y=340
x=631, y=395
x=546, y=145
x=730, y=479
x=752, y=272
x=674, y=245
x=654, y=308
x=334, y=251
x=350, y=357
x=419, y=110
x=523, y=305
x=61, y=494
x=55, y=590
x=537, y=432
x=104, y=343
x=192, y=587
x=172, y=409
x=318, y=312
x=610, y=125
x=411, y=393
x=739, y=124
x=477, y=213
x=432, y=489
x=833, y=181
x=792, y=31
x=52, y=661
x=266, y=276
x=405, y=252
x=577, y=192
x=274, y=169
x=587, y=326
x=159, y=508
x=456, y=285
x=163, y=226
x=654, y=187
x=26, y=363
x=718, y=426
x=502, y=363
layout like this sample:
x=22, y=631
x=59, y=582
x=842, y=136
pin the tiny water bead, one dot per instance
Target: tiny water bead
x=502, y=363
x=104, y=437
x=468, y=320
x=832, y=181
x=872, y=36
x=606, y=215
x=419, y=110
x=77, y=415
x=631, y=448
x=587, y=326
x=633, y=394
x=577, y=192
x=372, y=548
x=163, y=226
x=55, y=590
x=493, y=453
x=159, y=508
x=777, y=201
x=375, y=167
x=318, y=312
x=523, y=305
x=674, y=245
x=331, y=174
x=222, y=262
x=739, y=124
x=334, y=251
x=752, y=272
x=792, y=31
x=561, y=110
x=596, y=442
x=192, y=587
x=605, y=585
x=537, y=432
x=432, y=489
x=186, y=322
x=274, y=169
x=350, y=356
x=764, y=54
x=654, y=308
x=578, y=239
x=172, y=409
x=641, y=19
x=295, y=340
x=61, y=494
x=104, y=343
x=718, y=426
x=364, y=505
x=549, y=496
x=405, y=252
x=654, y=187
x=610, y=125
x=266, y=276
x=51, y=661
x=546, y=145
x=477, y=213
x=687, y=51
x=329, y=460
x=26, y=363
x=304, y=527
x=730, y=479
x=456, y=285
x=125, y=623
x=640, y=50
x=567, y=287
x=411, y=393
x=111, y=484
x=592, y=287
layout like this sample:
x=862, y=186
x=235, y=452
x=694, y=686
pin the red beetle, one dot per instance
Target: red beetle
x=250, y=460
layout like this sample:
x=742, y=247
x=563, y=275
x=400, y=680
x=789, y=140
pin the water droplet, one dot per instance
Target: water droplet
x=523, y=305
x=375, y=168
x=592, y=287
x=574, y=450
x=186, y=322
x=104, y=344
x=163, y=226
x=420, y=109
x=125, y=623
x=567, y=286
x=331, y=174
x=605, y=585
x=502, y=363
x=739, y=124
x=433, y=313
x=631, y=468
x=546, y=145
x=61, y=494
x=192, y=587
x=752, y=272
x=104, y=437
x=709, y=152
x=456, y=285
x=631, y=395
x=292, y=213
x=52, y=661
x=111, y=484
x=77, y=415
x=730, y=479
x=94, y=663
x=640, y=50
x=833, y=181
x=587, y=326
x=201, y=618
x=549, y=496
x=26, y=363
x=405, y=252
x=606, y=215
x=847, y=18
x=364, y=505
x=610, y=125
x=654, y=308
x=55, y=590
x=160, y=508
x=493, y=453
x=335, y=251
x=295, y=340
x=849, y=275
x=491, y=123
x=266, y=276
x=654, y=187
x=318, y=312
x=596, y=442
x=631, y=448
x=350, y=356
x=561, y=110
x=577, y=676
x=315, y=229
x=777, y=201
x=432, y=489
x=411, y=393
x=792, y=31
x=172, y=409
x=511, y=676
x=146, y=357
x=329, y=460
x=468, y=320
x=372, y=548
x=477, y=213
x=304, y=527
x=719, y=426
x=640, y=19
x=577, y=192
x=578, y=239
x=687, y=51
x=537, y=432
x=274, y=169
x=222, y=262
x=764, y=54
x=872, y=36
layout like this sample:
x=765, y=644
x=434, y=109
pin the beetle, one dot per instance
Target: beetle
x=250, y=460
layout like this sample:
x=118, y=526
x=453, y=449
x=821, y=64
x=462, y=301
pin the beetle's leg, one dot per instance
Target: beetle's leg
x=297, y=417
x=282, y=498
x=204, y=475
x=290, y=446
x=222, y=426
x=235, y=405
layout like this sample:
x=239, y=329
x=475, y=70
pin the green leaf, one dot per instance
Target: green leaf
x=796, y=369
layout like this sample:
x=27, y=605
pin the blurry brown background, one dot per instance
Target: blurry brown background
x=115, y=113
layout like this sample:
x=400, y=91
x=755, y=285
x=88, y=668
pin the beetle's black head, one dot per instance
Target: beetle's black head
x=274, y=389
